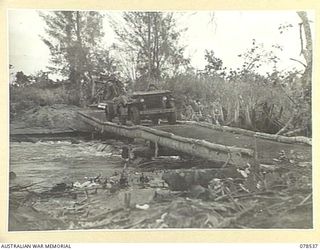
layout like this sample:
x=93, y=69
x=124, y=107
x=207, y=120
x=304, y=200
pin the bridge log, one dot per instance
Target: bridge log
x=278, y=138
x=195, y=147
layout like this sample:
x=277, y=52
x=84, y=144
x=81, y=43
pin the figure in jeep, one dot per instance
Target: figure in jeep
x=153, y=105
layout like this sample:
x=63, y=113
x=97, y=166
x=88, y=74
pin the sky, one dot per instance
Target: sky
x=228, y=34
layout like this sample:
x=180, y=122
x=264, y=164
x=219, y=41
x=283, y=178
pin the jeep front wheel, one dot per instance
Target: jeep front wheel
x=135, y=115
x=172, y=118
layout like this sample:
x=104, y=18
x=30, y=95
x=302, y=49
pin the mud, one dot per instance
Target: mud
x=151, y=205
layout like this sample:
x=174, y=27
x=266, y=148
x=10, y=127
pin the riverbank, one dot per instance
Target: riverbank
x=52, y=119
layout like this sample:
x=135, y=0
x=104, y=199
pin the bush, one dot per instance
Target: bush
x=26, y=97
x=245, y=100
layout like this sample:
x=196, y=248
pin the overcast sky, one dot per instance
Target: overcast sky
x=229, y=34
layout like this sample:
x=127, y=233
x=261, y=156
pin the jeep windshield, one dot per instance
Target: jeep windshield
x=148, y=93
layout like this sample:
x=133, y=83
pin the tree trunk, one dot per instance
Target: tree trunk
x=149, y=47
x=306, y=50
x=248, y=117
x=79, y=62
x=156, y=62
x=93, y=89
x=222, y=115
x=237, y=113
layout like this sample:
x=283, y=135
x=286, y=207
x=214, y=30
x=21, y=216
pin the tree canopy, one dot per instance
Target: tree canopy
x=152, y=38
x=74, y=39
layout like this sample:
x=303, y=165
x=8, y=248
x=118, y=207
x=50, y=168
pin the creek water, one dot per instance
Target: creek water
x=50, y=162
x=47, y=163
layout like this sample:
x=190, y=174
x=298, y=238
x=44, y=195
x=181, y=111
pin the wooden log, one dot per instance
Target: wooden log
x=191, y=146
x=221, y=128
x=303, y=139
x=279, y=138
x=217, y=147
x=195, y=147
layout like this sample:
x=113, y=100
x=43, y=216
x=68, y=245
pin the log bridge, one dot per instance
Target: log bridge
x=188, y=138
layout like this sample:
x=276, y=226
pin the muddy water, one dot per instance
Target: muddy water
x=51, y=162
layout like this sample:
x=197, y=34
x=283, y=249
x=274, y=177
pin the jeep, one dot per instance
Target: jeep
x=153, y=105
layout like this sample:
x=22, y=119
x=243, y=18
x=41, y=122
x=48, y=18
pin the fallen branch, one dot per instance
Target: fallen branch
x=227, y=161
x=236, y=204
x=295, y=131
x=285, y=126
x=304, y=200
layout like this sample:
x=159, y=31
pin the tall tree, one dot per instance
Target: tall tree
x=154, y=38
x=74, y=39
x=306, y=51
x=214, y=64
x=299, y=89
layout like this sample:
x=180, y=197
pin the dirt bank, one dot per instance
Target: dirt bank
x=58, y=117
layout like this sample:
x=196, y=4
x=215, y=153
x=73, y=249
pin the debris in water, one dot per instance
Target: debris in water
x=143, y=207
x=86, y=184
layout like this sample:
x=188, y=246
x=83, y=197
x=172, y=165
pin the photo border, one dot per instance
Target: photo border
x=154, y=235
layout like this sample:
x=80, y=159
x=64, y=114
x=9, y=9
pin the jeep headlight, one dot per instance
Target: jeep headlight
x=164, y=98
x=141, y=100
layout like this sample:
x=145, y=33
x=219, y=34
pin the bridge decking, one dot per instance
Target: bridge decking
x=201, y=141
